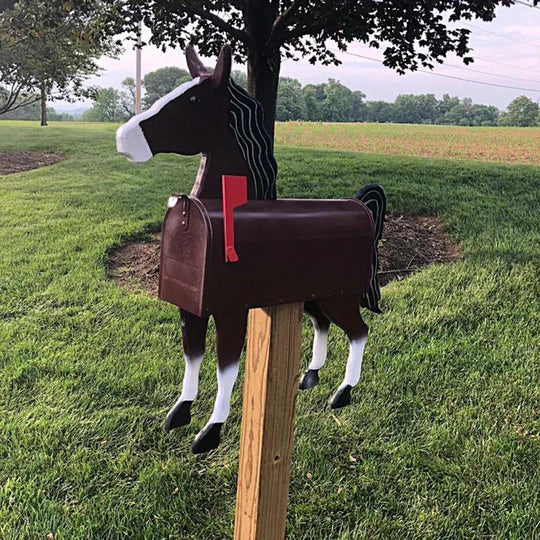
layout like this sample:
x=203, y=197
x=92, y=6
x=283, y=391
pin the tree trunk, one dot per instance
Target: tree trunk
x=43, y=106
x=263, y=79
x=264, y=60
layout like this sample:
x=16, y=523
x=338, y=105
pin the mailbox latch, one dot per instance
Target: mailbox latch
x=185, y=212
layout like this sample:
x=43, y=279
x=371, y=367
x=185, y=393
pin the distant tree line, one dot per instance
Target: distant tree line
x=326, y=102
x=334, y=102
x=33, y=111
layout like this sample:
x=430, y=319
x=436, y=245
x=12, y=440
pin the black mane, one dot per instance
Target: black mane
x=246, y=123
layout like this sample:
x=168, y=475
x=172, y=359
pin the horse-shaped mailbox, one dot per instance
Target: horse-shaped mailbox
x=321, y=252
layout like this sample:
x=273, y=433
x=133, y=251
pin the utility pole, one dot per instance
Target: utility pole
x=138, y=63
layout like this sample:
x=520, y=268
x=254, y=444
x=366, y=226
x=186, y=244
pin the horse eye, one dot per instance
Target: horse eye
x=195, y=100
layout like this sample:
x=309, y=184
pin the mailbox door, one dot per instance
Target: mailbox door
x=185, y=254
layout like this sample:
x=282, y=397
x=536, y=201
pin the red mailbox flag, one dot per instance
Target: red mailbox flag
x=234, y=194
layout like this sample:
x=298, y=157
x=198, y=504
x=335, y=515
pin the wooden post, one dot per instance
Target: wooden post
x=138, y=70
x=271, y=383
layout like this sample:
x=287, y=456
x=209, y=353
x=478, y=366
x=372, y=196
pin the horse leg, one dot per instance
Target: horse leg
x=321, y=324
x=193, y=340
x=230, y=336
x=345, y=313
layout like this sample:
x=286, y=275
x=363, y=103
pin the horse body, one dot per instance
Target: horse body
x=212, y=116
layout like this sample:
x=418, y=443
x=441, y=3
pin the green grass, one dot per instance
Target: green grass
x=442, y=439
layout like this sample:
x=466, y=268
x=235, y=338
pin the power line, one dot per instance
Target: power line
x=525, y=4
x=448, y=76
x=505, y=65
x=488, y=73
x=479, y=82
x=506, y=37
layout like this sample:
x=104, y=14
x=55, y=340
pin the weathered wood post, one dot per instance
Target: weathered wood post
x=271, y=383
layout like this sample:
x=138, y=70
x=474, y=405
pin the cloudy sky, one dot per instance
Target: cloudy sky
x=506, y=51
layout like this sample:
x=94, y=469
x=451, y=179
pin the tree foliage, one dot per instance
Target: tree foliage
x=290, y=105
x=30, y=111
x=358, y=106
x=107, y=107
x=336, y=105
x=48, y=49
x=240, y=78
x=522, y=111
x=415, y=109
x=313, y=97
x=127, y=96
x=334, y=102
x=17, y=87
x=410, y=34
x=161, y=81
x=33, y=112
x=379, y=111
x=413, y=33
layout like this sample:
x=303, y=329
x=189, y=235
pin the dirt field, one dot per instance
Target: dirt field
x=495, y=144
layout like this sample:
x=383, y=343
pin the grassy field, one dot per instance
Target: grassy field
x=504, y=145
x=442, y=439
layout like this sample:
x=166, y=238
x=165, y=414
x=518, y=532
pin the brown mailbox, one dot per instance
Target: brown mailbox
x=289, y=250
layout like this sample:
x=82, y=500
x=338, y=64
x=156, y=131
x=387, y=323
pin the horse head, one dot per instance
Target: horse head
x=189, y=120
x=209, y=115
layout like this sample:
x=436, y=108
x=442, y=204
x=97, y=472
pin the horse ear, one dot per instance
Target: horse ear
x=221, y=74
x=195, y=66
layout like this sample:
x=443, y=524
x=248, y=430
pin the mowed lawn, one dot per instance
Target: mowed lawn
x=442, y=439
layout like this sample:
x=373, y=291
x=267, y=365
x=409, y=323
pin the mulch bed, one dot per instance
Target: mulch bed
x=409, y=244
x=135, y=266
x=413, y=242
x=14, y=162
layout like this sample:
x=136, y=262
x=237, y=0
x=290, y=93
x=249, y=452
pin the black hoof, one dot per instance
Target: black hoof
x=341, y=398
x=179, y=415
x=310, y=379
x=207, y=439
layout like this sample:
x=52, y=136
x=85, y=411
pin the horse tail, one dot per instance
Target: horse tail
x=374, y=198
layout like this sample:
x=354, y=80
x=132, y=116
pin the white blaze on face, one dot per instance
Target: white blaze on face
x=130, y=139
x=131, y=142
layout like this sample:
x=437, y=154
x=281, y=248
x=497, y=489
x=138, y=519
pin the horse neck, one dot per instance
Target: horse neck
x=224, y=158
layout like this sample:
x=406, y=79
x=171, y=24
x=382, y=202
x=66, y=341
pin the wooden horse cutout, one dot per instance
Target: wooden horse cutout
x=211, y=115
